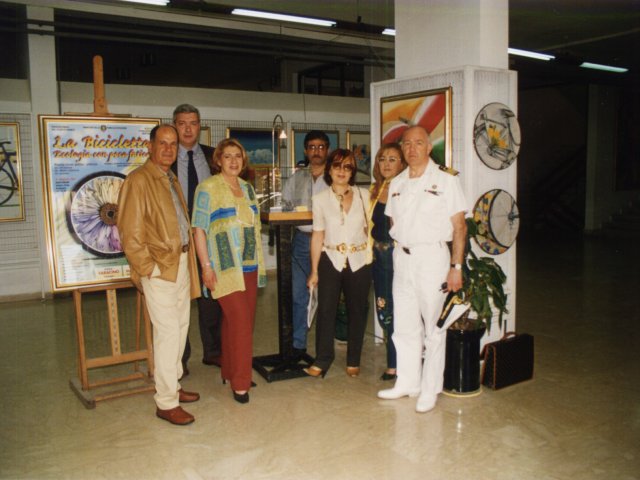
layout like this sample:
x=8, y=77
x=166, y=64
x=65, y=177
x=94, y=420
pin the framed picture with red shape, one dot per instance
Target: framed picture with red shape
x=430, y=109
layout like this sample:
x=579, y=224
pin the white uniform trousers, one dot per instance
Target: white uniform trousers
x=169, y=306
x=417, y=300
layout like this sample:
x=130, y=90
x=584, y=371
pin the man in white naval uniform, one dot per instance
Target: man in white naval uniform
x=427, y=208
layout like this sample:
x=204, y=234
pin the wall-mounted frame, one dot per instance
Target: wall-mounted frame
x=498, y=217
x=85, y=161
x=430, y=109
x=205, y=136
x=257, y=143
x=496, y=136
x=360, y=144
x=11, y=187
x=297, y=143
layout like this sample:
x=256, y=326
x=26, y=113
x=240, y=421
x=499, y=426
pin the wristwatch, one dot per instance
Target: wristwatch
x=457, y=266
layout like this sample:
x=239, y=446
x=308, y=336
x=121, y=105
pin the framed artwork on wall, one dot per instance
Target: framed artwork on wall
x=297, y=143
x=430, y=109
x=85, y=161
x=496, y=136
x=11, y=188
x=498, y=218
x=205, y=136
x=257, y=143
x=360, y=144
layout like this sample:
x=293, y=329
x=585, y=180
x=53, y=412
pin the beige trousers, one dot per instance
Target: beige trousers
x=169, y=305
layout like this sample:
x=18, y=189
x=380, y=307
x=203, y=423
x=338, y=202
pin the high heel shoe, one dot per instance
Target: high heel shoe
x=241, y=397
x=353, y=371
x=314, y=371
x=388, y=376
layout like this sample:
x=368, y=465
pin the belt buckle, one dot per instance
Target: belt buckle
x=342, y=248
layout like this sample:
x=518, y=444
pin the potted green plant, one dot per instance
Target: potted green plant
x=483, y=288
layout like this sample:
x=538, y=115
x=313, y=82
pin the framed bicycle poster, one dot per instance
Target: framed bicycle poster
x=11, y=191
x=85, y=161
x=430, y=109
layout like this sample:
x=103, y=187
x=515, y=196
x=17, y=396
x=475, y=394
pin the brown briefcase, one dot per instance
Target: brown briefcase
x=508, y=361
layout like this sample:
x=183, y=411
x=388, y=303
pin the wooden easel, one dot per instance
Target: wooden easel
x=81, y=385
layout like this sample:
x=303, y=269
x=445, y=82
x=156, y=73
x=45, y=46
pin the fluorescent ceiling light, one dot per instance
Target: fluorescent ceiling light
x=606, y=68
x=282, y=17
x=527, y=53
x=389, y=31
x=150, y=2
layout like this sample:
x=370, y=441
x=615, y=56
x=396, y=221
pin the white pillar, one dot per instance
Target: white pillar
x=434, y=35
x=460, y=45
x=43, y=88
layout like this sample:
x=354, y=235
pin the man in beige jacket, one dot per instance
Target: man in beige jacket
x=156, y=236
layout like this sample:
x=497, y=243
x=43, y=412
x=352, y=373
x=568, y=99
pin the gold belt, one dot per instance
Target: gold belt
x=344, y=248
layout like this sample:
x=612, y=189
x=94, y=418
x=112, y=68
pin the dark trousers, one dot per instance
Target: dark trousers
x=210, y=322
x=355, y=286
x=382, y=269
x=239, y=314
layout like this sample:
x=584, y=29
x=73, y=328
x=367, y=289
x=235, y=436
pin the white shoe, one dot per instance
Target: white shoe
x=425, y=403
x=395, y=393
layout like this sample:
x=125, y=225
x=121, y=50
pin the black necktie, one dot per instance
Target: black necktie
x=192, y=181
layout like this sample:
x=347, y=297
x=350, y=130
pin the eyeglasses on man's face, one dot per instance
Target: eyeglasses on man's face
x=317, y=148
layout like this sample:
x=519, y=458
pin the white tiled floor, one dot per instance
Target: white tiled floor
x=578, y=419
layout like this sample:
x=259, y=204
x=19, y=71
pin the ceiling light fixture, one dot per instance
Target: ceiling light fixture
x=282, y=17
x=528, y=54
x=162, y=3
x=389, y=31
x=606, y=68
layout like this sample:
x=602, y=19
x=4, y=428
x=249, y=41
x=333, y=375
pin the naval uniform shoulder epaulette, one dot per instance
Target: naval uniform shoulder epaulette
x=448, y=170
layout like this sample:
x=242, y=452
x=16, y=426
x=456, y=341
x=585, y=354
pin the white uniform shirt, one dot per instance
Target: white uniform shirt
x=327, y=218
x=421, y=208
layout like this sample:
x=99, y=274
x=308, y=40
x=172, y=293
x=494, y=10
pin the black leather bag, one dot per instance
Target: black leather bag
x=508, y=361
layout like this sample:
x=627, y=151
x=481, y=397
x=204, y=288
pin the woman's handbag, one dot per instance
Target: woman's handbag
x=508, y=361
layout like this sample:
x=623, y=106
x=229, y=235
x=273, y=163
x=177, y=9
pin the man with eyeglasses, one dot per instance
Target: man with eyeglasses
x=297, y=192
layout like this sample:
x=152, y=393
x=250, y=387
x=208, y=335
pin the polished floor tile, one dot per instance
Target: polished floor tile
x=578, y=419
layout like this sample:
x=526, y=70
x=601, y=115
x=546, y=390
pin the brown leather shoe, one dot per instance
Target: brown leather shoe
x=188, y=397
x=176, y=415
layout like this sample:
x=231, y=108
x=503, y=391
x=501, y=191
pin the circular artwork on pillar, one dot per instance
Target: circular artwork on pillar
x=93, y=213
x=498, y=218
x=496, y=136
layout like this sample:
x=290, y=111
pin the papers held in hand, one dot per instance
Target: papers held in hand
x=452, y=310
x=312, y=307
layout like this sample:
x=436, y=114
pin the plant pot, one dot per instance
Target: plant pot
x=462, y=361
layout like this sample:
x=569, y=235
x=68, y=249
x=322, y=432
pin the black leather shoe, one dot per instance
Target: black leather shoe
x=241, y=397
x=185, y=371
x=215, y=361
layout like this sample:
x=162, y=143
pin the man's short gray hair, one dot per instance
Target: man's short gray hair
x=185, y=108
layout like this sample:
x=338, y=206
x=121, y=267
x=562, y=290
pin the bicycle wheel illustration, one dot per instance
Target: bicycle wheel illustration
x=93, y=213
x=8, y=180
x=496, y=136
x=498, y=219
